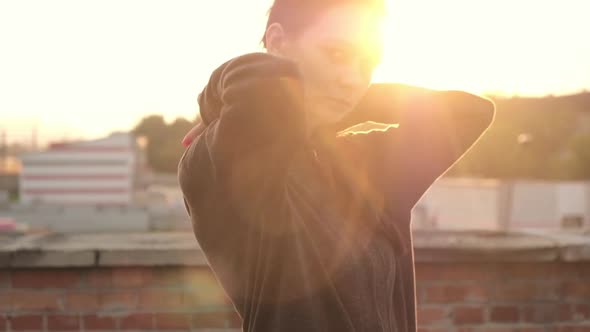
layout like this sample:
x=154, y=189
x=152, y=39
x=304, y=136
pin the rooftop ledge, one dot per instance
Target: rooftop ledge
x=181, y=248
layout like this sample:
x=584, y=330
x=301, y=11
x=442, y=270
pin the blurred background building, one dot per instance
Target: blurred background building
x=90, y=186
x=502, y=205
x=100, y=172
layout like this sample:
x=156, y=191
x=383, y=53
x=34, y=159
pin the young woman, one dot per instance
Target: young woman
x=306, y=224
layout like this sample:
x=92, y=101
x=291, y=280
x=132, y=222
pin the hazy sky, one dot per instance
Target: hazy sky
x=85, y=68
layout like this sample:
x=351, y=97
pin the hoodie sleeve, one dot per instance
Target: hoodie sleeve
x=235, y=170
x=435, y=129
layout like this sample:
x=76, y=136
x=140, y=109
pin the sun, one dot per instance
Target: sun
x=432, y=44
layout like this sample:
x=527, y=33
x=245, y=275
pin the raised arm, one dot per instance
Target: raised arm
x=232, y=176
x=435, y=129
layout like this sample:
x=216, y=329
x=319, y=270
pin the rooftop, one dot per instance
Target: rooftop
x=181, y=248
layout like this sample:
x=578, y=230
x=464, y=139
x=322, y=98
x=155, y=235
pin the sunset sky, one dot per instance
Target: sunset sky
x=82, y=68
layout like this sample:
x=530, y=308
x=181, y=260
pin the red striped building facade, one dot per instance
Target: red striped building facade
x=99, y=172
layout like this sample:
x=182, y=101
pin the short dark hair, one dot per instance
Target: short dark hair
x=295, y=15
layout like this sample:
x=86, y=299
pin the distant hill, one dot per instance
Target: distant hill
x=542, y=138
x=530, y=137
x=575, y=102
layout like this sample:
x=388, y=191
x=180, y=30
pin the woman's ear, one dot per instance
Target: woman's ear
x=276, y=39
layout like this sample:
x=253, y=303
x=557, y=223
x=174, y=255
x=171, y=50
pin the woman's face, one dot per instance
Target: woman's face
x=337, y=55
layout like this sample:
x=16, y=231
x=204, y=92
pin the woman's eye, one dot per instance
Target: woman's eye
x=337, y=56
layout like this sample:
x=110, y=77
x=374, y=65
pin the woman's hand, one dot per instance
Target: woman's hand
x=194, y=133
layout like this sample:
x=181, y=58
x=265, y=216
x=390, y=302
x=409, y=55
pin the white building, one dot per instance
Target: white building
x=102, y=172
x=459, y=204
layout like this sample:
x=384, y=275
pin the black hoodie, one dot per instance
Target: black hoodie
x=311, y=232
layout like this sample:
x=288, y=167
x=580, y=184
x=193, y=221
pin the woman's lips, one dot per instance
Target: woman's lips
x=340, y=102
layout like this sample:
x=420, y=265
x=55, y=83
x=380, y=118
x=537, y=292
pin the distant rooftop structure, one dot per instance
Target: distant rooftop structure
x=98, y=172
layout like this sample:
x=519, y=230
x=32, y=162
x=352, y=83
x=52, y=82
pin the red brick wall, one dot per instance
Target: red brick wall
x=112, y=299
x=503, y=297
x=457, y=297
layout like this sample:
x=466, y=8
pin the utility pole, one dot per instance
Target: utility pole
x=34, y=139
x=3, y=150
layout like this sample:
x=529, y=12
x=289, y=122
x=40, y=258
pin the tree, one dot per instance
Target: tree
x=151, y=126
x=578, y=165
x=548, y=124
x=164, y=147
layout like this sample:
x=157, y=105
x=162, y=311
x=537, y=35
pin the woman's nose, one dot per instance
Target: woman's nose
x=353, y=78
